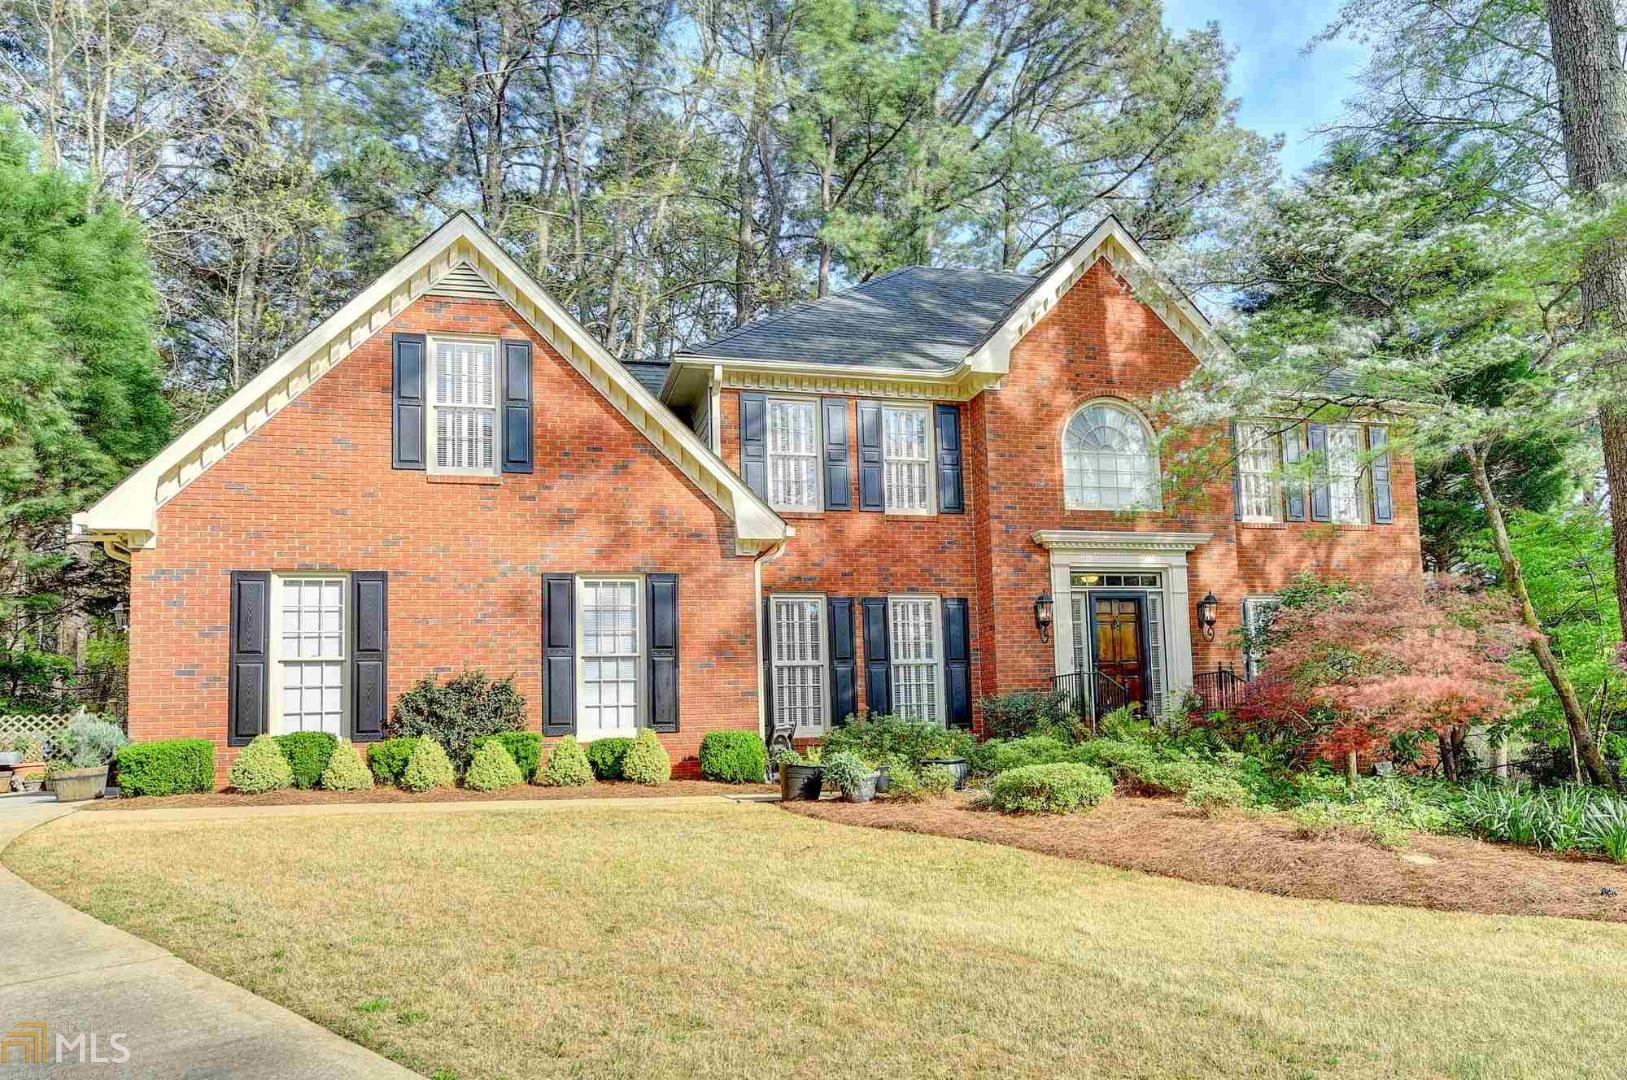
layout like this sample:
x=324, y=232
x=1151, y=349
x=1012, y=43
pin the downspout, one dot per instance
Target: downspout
x=762, y=632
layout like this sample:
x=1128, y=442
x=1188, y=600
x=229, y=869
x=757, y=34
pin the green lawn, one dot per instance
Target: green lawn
x=734, y=940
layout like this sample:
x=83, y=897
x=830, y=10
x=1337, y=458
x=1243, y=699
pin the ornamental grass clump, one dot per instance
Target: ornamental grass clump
x=428, y=768
x=492, y=769
x=346, y=771
x=1062, y=788
x=261, y=767
x=647, y=761
x=567, y=765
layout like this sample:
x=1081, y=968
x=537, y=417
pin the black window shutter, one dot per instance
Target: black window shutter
x=1378, y=441
x=768, y=667
x=957, y=661
x=1321, y=508
x=407, y=417
x=1237, y=474
x=1293, y=484
x=754, y=443
x=662, y=635
x=838, y=471
x=558, y=654
x=517, y=407
x=844, y=682
x=951, y=488
x=250, y=666
x=870, y=483
x=878, y=687
x=369, y=653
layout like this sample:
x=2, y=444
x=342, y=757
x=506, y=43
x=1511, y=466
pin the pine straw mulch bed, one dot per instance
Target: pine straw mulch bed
x=1262, y=852
x=615, y=789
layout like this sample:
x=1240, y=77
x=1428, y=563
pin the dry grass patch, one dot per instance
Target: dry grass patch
x=730, y=940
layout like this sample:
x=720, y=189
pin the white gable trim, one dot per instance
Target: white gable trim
x=127, y=516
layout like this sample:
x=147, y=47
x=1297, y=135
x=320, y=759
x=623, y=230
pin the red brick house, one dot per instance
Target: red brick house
x=933, y=487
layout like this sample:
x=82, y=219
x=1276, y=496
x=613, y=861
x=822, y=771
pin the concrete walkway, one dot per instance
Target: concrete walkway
x=62, y=968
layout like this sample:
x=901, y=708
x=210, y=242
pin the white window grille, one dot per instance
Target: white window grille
x=906, y=449
x=608, y=622
x=1259, y=478
x=311, y=654
x=1344, y=474
x=1108, y=460
x=465, y=405
x=793, y=455
x=797, y=637
x=916, y=658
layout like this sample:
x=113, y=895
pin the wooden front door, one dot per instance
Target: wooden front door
x=1119, y=641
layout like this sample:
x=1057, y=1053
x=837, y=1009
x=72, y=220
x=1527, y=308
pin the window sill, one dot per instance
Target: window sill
x=1263, y=524
x=461, y=478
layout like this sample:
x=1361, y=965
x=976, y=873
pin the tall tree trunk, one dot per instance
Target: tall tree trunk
x=1514, y=577
x=1593, y=112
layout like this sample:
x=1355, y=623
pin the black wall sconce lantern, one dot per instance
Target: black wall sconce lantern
x=1208, y=611
x=1044, y=614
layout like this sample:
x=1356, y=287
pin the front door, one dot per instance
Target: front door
x=1119, y=644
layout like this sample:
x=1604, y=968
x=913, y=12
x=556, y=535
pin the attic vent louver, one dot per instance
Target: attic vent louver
x=464, y=281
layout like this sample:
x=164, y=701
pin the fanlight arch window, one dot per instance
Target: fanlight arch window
x=1108, y=460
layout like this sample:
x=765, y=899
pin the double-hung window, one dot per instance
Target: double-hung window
x=310, y=654
x=463, y=404
x=793, y=454
x=1345, y=502
x=914, y=642
x=797, y=641
x=1259, y=479
x=609, y=646
x=906, y=449
x=1258, y=613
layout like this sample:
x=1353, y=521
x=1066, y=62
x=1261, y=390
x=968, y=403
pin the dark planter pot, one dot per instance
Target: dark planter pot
x=801, y=783
x=884, y=780
x=77, y=785
x=957, y=766
x=866, y=790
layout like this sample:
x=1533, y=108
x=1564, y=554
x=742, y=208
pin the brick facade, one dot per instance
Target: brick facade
x=313, y=489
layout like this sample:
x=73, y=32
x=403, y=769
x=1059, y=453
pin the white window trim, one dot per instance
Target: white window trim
x=818, y=452
x=931, y=508
x=1153, y=505
x=1252, y=662
x=1359, y=477
x=431, y=406
x=274, y=653
x=1273, y=437
x=823, y=638
x=936, y=602
x=640, y=654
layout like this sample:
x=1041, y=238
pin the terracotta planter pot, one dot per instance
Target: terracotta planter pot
x=77, y=785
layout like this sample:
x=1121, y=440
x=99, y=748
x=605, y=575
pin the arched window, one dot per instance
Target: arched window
x=1108, y=461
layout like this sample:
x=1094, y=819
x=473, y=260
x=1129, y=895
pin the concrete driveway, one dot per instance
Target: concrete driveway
x=103, y=1003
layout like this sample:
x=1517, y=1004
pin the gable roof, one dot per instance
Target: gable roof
x=458, y=258
x=920, y=318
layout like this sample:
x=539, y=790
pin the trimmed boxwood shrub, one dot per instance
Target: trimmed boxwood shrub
x=261, y=767
x=525, y=747
x=428, y=768
x=734, y=757
x=492, y=769
x=1003, y=755
x=567, y=765
x=307, y=753
x=1060, y=788
x=647, y=761
x=606, y=755
x=167, y=767
x=346, y=771
x=388, y=759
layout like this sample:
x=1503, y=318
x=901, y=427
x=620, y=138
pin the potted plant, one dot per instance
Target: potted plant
x=28, y=773
x=11, y=754
x=852, y=775
x=85, y=750
x=949, y=749
x=801, y=775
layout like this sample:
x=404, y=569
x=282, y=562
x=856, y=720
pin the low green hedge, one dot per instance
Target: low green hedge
x=734, y=757
x=1061, y=788
x=525, y=747
x=388, y=759
x=308, y=753
x=607, y=755
x=167, y=767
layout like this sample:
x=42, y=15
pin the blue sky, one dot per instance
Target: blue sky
x=1282, y=91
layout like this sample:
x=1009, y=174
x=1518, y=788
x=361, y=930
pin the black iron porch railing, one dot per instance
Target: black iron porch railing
x=1091, y=694
x=1221, y=689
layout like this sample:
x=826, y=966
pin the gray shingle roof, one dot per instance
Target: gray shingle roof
x=919, y=318
x=652, y=373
